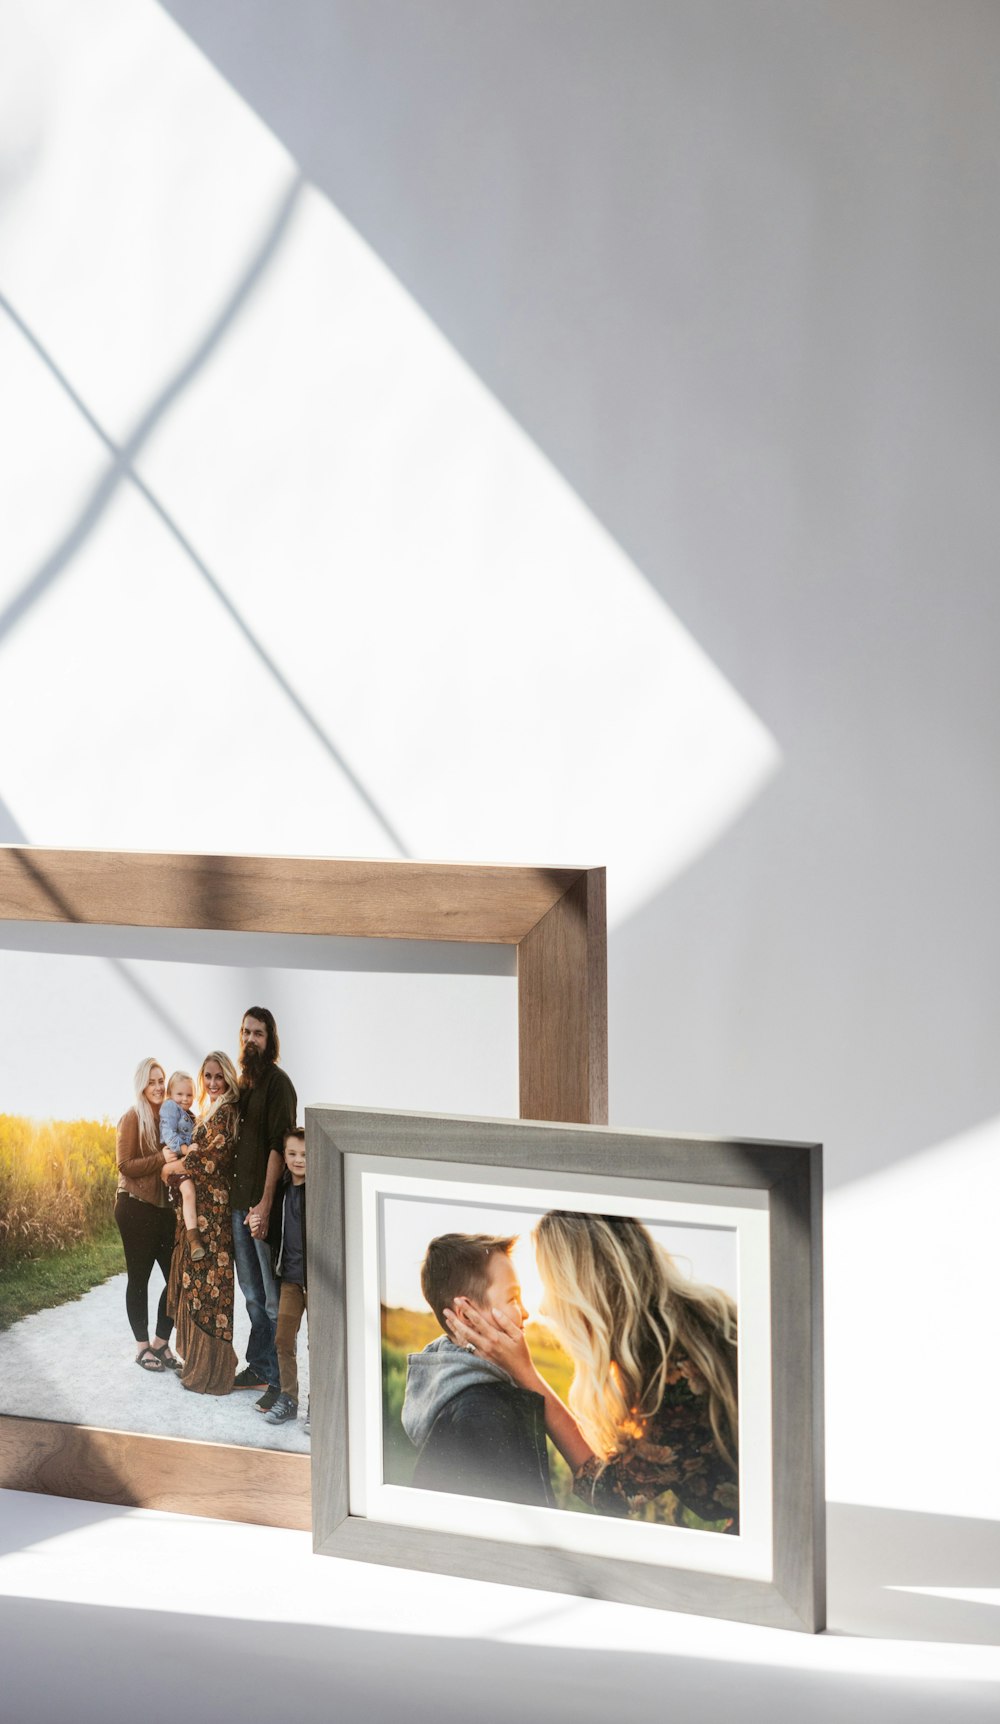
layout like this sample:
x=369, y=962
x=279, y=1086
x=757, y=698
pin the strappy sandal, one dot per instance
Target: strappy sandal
x=167, y=1358
x=149, y=1360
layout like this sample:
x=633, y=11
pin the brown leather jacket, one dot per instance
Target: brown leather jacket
x=138, y=1174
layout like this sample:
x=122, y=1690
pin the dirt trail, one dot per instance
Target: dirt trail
x=75, y=1363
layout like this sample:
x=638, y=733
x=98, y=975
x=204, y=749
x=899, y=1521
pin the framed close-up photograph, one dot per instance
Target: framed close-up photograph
x=570, y=1357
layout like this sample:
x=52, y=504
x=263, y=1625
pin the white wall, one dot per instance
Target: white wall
x=410, y=1025
x=733, y=267
x=558, y=432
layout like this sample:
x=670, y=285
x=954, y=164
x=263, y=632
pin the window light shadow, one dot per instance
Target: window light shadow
x=122, y=469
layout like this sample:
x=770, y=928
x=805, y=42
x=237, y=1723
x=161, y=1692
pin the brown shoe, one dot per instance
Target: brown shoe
x=195, y=1245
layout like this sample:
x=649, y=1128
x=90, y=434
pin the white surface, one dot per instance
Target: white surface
x=74, y=1363
x=255, y=1624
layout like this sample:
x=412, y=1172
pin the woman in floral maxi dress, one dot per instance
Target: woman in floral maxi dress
x=200, y=1295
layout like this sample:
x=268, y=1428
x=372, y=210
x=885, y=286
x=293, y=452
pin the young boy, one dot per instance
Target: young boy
x=479, y=1433
x=290, y=1269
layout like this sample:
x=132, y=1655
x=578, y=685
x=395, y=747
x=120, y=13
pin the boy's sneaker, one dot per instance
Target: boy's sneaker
x=247, y=1379
x=284, y=1408
x=266, y=1401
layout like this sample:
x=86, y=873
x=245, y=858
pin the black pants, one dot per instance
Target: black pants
x=148, y=1237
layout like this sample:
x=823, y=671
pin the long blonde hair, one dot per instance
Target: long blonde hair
x=624, y=1310
x=230, y=1093
x=149, y=1129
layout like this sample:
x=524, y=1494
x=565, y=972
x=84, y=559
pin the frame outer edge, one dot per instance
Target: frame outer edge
x=795, y=1598
x=328, y=1386
x=388, y=898
x=797, y=1390
x=562, y=976
x=547, y=1570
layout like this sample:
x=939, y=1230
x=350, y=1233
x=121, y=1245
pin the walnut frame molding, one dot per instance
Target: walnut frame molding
x=784, y=1178
x=556, y=919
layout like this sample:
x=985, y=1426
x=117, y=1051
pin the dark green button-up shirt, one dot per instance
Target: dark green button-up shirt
x=267, y=1115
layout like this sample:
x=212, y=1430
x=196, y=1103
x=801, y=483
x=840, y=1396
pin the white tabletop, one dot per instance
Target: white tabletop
x=123, y=1614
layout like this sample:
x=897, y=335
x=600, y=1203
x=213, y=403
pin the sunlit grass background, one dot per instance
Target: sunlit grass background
x=57, y=1195
x=57, y=1184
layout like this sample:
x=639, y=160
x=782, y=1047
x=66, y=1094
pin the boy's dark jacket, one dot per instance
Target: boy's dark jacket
x=276, y=1225
x=479, y=1433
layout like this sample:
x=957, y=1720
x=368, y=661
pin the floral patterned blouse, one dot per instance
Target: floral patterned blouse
x=677, y=1453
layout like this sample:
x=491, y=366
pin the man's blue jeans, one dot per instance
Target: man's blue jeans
x=259, y=1288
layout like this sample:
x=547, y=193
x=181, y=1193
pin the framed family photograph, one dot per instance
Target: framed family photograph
x=189, y=1007
x=572, y=1358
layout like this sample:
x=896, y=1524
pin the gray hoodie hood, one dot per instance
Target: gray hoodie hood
x=434, y=1377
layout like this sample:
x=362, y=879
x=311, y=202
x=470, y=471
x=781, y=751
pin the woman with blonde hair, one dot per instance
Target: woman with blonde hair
x=200, y=1294
x=653, y=1406
x=145, y=1220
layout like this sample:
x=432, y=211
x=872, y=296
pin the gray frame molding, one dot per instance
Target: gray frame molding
x=790, y=1173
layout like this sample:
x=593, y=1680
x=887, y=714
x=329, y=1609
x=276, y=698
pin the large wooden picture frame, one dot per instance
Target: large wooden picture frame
x=555, y=917
x=780, y=1290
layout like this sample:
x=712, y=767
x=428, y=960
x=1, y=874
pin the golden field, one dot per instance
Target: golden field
x=57, y=1184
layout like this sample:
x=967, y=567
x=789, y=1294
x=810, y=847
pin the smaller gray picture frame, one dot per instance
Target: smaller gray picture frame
x=790, y=1174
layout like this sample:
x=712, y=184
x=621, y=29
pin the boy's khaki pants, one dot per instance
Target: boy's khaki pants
x=291, y=1305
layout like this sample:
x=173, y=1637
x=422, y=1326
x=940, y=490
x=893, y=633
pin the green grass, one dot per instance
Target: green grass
x=37, y=1283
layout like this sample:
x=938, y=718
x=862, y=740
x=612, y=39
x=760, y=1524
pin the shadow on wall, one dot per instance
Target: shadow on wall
x=879, y=1559
x=10, y=831
x=734, y=269
x=123, y=469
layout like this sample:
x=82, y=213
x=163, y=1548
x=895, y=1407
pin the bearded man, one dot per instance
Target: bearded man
x=267, y=1114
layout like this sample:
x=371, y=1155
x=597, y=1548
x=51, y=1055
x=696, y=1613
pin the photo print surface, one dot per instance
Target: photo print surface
x=561, y=1359
x=89, y=1233
x=583, y=1419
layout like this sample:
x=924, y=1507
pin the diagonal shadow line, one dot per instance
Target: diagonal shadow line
x=10, y=827
x=138, y=989
x=125, y=455
x=122, y=470
x=273, y=669
x=147, y=998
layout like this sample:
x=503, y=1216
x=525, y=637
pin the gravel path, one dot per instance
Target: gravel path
x=75, y=1363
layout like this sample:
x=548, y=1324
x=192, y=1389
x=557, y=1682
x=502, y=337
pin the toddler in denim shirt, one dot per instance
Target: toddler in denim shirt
x=176, y=1131
x=176, y=1117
